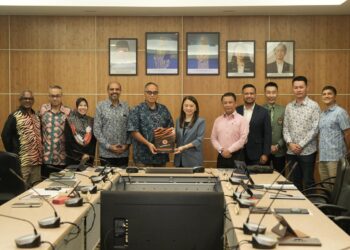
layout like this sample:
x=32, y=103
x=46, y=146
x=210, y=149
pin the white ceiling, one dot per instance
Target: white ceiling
x=343, y=9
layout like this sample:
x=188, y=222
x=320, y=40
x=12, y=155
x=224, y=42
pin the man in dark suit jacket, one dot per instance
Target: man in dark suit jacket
x=258, y=147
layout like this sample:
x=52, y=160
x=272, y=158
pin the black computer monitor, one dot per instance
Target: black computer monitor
x=148, y=220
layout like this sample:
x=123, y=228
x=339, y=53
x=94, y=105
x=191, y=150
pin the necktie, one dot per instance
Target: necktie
x=272, y=110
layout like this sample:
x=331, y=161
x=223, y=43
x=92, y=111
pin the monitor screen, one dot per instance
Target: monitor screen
x=148, y=220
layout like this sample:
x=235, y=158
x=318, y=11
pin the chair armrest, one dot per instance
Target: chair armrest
x=315, y=190
x=318, y=198
x=343, y=222
x=331, y=209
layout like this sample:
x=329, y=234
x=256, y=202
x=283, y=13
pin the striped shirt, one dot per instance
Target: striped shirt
x=333, y=122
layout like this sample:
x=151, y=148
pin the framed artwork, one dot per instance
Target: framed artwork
x=279, y=59
x=203, y=56
x=162, y=53
x=123, y=56
x=240, y=59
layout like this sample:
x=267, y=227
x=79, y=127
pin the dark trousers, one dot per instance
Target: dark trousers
x=303, y=174
x=47, y=169
x=225, y=162
x=115, y=162
x=278, y=163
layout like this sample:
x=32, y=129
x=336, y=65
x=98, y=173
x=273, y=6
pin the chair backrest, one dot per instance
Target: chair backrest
x=343, y=164
x=344, y=193
x=9, y=183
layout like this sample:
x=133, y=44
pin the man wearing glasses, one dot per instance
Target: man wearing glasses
x=21, y=135
x=143, y=119
x=53, y=117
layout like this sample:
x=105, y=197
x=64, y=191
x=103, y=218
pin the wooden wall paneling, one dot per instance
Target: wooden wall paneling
x=332, y=68
x=74, y=71
x=209, y=153
x=134, y=27
x=4, y=112
x=245, y=28
x=52, y=32
x=298, y=28
x=4, y=71
x=4, y=28
x=333, y=32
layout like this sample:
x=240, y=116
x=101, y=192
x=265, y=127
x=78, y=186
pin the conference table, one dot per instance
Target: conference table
x=315, y=224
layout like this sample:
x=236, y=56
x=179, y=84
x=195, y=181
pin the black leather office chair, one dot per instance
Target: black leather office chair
x=10, y=185
x=318, y=193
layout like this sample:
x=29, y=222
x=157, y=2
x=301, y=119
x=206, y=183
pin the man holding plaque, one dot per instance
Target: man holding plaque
x=151, y=125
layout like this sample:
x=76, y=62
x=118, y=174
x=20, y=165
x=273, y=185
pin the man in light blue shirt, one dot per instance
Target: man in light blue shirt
x=334, y=140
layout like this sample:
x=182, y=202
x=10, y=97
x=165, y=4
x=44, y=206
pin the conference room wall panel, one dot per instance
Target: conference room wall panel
x=52, y=32
x=4, y=103
x=36, y=70
x=36, y=51
x=4, y=27
x=134, y=27
x=312, y=32
x=4, y=72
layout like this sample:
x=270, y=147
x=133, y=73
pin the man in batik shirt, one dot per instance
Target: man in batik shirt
x=21, y=135
x=53, y=116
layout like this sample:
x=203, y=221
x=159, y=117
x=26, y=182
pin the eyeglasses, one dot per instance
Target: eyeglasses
x=55, y=96
x=151, y=92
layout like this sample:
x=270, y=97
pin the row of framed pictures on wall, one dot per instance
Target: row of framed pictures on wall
x=202, y=57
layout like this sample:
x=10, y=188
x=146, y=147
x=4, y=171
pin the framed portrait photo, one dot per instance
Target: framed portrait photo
x=203, y=56
x=279, y=59
x=162, y=53
x=122, y=56
x=240, y=59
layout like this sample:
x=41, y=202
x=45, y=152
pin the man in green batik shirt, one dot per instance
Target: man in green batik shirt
x=278, y=147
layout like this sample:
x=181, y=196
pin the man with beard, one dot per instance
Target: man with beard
x=110, y=128
x=258, y=147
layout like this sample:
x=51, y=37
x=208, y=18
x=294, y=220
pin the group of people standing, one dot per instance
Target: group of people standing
x=57, y=136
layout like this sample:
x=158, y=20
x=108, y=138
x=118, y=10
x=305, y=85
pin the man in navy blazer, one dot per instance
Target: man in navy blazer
x=258, y=146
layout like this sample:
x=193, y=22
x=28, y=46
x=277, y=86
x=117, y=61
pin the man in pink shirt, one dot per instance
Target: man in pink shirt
x=229, y=133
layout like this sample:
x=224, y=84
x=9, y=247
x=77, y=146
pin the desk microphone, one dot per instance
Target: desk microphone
x=250, y=228
x=91, y=189
x=81, y=166
x=49, y=222
x=262, y=241
x=26, y=241
x=75, y=201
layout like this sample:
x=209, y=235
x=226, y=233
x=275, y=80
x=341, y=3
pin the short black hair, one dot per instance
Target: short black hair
x=271, y=84
x=248, y=85
x=331, y=88
x=300, y=78
x=228, y=94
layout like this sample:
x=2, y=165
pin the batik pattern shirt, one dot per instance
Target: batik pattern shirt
x=52, y=127
x=301, y=125
x=144, y=120
x=333, y=122
x=21, y=135
x=110, y=127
